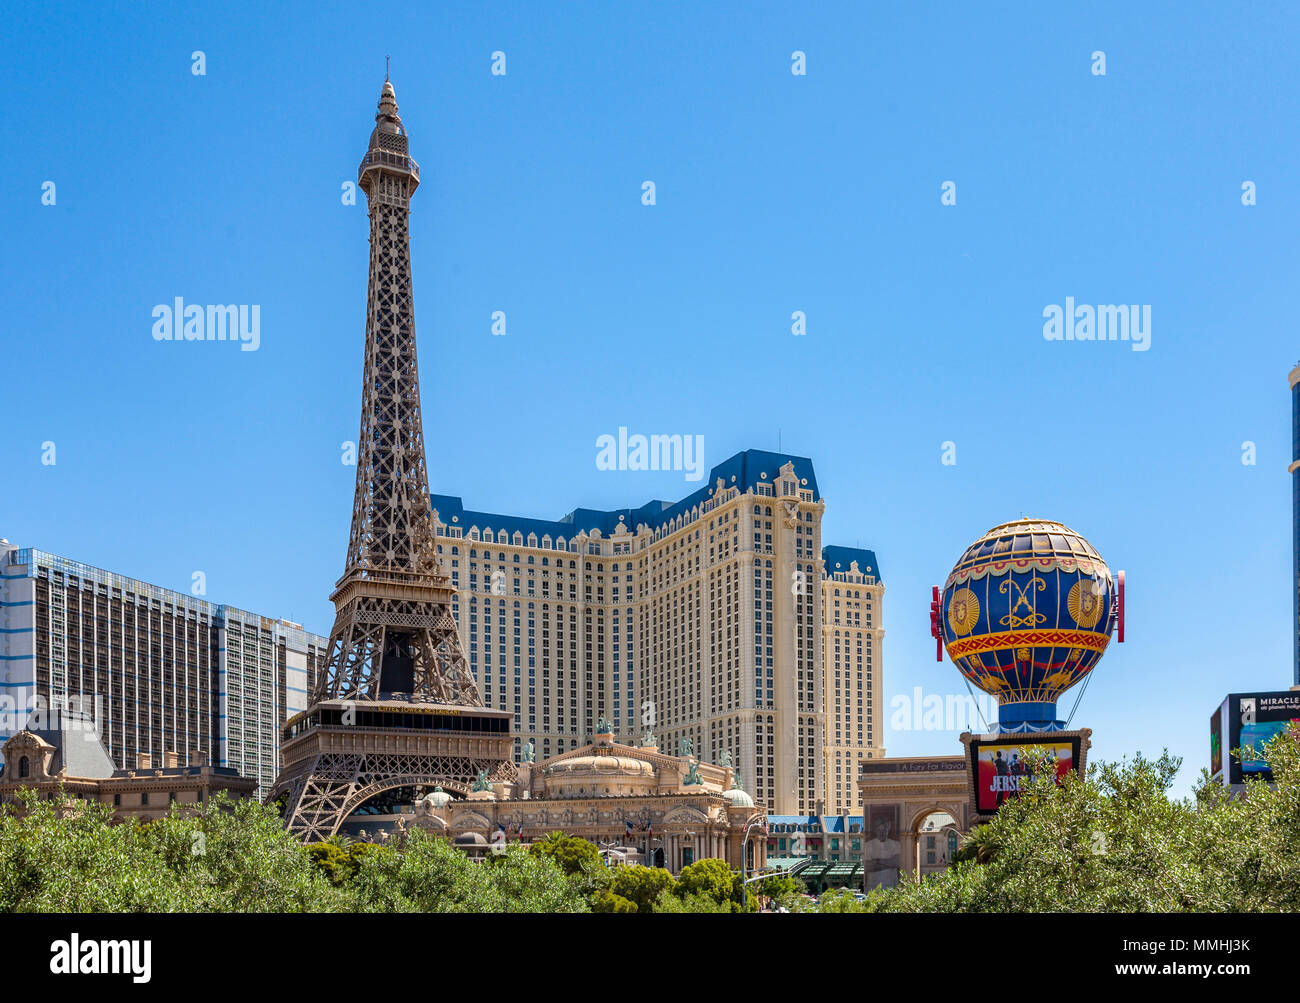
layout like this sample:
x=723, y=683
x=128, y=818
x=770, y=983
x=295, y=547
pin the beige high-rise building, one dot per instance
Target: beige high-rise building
x=852, y=594
x=699, y=620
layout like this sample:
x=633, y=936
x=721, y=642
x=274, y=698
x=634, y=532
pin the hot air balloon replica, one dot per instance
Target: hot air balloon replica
x=1028, y=611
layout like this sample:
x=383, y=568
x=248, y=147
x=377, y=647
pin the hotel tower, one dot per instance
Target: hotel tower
x=719, y=618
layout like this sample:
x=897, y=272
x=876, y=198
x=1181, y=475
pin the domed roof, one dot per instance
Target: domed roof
x=738, y=798
x=470, y=839
x=438, y=798
x=601, y=765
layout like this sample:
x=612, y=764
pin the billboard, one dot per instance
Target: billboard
x=1253, y=720
x=1216, y=740
x=882, y=853
x=1000, y=765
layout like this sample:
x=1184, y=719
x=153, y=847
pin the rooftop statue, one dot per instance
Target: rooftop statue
x=693, y=776
x=481, y=783
x=603, y=727
x=529, y=753
x=726, y=758
x=685, y=747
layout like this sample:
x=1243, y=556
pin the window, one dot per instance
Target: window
x=24, y=767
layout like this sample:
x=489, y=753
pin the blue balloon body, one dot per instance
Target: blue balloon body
x=1026, y=613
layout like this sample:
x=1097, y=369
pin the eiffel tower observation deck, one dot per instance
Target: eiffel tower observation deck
x=397, y=706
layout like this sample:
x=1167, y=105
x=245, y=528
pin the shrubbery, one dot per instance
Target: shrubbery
x=1115, y=842
x=1111, y=841
x=237, y=857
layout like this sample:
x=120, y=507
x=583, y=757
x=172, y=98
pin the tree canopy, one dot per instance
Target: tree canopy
x=1109, y=841
x=1114, y=841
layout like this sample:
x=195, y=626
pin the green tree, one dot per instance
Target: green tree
x=579, y=859
x=977, y=845
x=430, y=875
x=713, y=879
x=606, y=901
x=333, y=862
x=690, y=902
x=572, y=854
x=1115, y=841
x=517, y=881
x=641, y=885
x=784, y=890
x=839, y=900
x=66, y=856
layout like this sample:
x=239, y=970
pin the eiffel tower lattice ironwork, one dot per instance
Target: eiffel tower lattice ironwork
x=396, y=705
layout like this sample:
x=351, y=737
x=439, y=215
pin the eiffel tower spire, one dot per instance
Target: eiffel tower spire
x=397, y=705
x=390, y=512
x=393, y=634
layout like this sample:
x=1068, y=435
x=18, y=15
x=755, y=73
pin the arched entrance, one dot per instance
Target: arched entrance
x=374, y=807
x=936, y=842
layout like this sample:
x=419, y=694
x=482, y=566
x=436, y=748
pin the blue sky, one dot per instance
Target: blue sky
x=775, y=193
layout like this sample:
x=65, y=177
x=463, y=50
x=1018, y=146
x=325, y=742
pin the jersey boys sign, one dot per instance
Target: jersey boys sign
x=1001, y=766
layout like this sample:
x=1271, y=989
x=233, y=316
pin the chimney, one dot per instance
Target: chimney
x=198, y=758
x=143, y=761
x=171, y=759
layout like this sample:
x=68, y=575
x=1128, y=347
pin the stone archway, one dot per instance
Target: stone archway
x=897, y=796
x=919, y=834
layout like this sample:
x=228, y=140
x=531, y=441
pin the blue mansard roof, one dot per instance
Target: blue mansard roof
x=743, y=471
x=842, y=558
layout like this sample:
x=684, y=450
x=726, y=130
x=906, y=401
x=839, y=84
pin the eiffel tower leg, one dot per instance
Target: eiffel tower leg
x=444, y=663
x=319, y=795
x=353, y=661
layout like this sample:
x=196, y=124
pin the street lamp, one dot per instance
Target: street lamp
x=744, y=850
x=650, y=849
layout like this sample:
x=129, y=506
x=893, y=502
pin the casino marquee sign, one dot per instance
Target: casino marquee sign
x=997, y=766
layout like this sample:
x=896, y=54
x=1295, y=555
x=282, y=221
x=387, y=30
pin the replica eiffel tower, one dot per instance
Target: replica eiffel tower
x=397, y=706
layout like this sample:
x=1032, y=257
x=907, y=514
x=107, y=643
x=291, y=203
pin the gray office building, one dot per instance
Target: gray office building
x=159, y=671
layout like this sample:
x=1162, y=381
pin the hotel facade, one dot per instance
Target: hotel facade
x=719, y=619
x=161, y=672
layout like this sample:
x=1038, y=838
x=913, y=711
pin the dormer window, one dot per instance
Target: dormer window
x=24, y=767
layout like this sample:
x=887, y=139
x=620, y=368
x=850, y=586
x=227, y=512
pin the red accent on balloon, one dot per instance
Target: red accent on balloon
x=935, y=630
x=1120, y=593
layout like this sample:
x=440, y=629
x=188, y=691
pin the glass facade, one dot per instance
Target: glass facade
x=158, y=671
x=1295, y=522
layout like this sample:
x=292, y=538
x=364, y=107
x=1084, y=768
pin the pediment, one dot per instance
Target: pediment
x=470, y=820
x=685, y=816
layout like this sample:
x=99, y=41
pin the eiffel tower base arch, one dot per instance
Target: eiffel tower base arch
x=329, y=772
